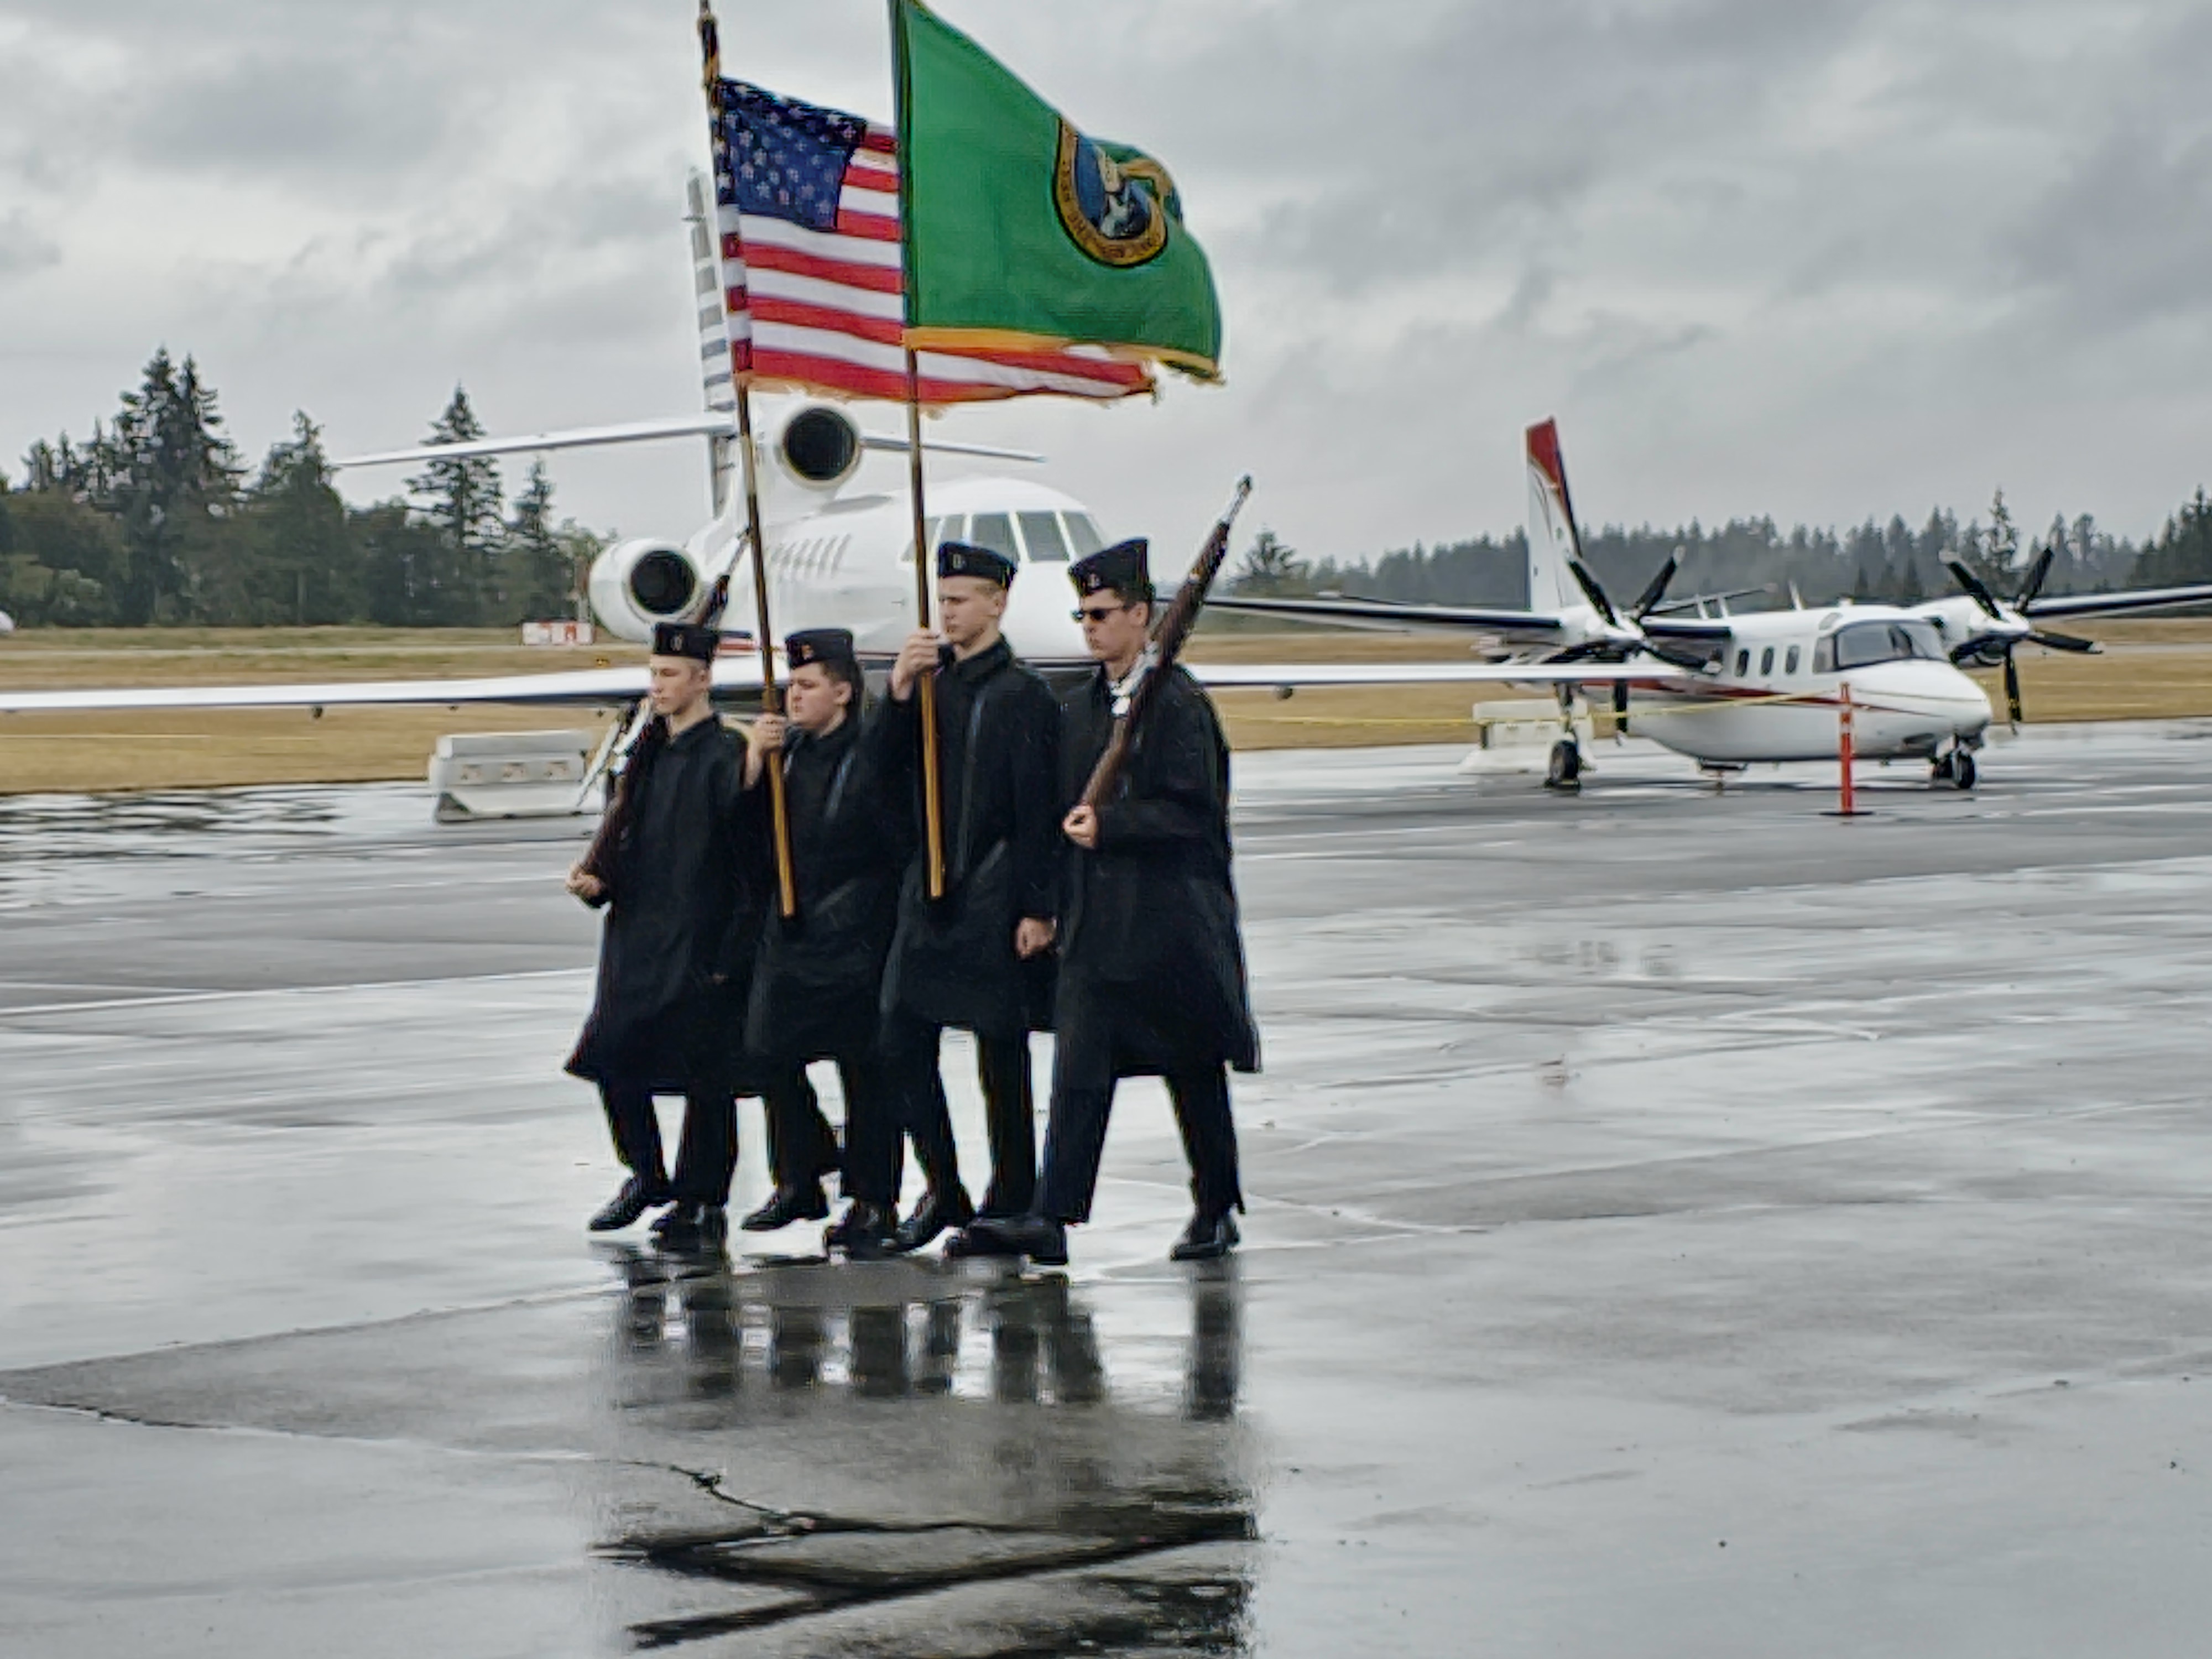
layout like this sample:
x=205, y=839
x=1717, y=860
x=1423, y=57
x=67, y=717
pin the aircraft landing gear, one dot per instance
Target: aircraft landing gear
x=1956, y=768
x=1565, y=770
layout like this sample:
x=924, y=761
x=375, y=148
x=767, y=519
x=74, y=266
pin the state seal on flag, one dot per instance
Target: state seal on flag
x=1116, y=210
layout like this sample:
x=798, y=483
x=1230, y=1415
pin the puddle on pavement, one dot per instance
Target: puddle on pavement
x=1088, y=1504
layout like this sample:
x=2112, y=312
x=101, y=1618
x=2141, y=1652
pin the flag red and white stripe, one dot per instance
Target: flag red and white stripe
x=824, y=310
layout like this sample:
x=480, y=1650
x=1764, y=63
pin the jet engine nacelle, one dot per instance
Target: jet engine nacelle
x=635, y=583
x=815, y=448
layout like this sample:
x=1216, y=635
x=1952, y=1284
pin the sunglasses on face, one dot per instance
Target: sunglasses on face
x=1095, y=613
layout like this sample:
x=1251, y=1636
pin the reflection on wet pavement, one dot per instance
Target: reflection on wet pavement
x=1129, y=1508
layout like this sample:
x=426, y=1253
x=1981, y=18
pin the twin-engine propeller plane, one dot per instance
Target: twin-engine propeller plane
x=1733, y=691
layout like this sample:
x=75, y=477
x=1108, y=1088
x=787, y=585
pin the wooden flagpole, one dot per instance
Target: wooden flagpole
x=932, y=783
x=786, y=881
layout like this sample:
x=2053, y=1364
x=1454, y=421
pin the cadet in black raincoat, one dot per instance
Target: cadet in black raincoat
x=817, y=982
x=977, y=959
x=1151, y=962
x=684, y=884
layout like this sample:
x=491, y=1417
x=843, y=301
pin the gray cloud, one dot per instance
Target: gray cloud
x=22, y=249
x=1813, y=260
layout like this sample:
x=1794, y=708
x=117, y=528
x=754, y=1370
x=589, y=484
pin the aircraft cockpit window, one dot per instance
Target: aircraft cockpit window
x=1083, y=535
x=1862, y=645
x=933, y=528
x=1042, y=540
x=994, y=531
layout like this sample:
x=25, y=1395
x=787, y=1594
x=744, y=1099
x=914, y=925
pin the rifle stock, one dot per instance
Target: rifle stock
x=1181, y=616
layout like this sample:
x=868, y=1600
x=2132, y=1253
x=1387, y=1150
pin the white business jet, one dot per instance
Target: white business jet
x=1733, y=691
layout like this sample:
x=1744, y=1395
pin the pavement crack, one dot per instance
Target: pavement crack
x=765, y=1560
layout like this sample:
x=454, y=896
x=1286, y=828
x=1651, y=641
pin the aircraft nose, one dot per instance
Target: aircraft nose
x=1039, y=622
x=1934, y=690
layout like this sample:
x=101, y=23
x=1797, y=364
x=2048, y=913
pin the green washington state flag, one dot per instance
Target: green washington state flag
x=1023, y=234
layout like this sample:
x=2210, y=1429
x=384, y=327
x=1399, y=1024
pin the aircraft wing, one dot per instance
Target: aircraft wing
x=1519, y=627
x=1233, y=676
x=734, y=675
x=2113, y=604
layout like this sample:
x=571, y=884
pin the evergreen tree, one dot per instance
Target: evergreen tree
x=2182, y=551
x=296, y=543
x=462, y=498
x=541, y=575
x=1270, y=568
x=406, y=567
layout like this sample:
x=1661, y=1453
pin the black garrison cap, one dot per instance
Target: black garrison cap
x=964, y=559
x=684, y=640
x=1126, y=568
x=823, y=645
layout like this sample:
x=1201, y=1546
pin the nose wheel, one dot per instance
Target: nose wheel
x=1956, y=768
x=1565, y=770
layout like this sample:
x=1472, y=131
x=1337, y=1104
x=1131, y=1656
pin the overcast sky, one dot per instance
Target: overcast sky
x=1814, y=261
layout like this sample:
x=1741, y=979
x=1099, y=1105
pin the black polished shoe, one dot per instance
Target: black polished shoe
x=865, y=1232
x=636, y=1197
x=1208, y=1238
x=786, y=1205
x=1043, y=1241
x=937, y=1212
x=680, y=1225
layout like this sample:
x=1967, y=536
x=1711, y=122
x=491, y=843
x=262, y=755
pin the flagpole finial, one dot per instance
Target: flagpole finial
x=710, y=43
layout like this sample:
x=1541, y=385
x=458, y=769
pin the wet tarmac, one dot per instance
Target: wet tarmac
x=1681, y=1224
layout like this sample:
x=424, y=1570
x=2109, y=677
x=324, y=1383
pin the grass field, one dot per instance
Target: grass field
x=2150, y=670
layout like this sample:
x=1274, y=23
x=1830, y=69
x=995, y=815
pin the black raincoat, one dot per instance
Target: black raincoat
x=686, y=888
x=815, y=985
x=1150, y=941
x=953, y=963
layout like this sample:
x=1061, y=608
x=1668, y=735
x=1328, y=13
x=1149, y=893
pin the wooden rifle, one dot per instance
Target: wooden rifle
x=644, y=735
x=1134, y=695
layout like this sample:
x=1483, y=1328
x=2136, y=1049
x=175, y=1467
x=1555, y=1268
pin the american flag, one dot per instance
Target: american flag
x=807, y=206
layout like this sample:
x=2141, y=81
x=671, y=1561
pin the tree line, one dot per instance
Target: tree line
x=1762, y=564
x=155, y=519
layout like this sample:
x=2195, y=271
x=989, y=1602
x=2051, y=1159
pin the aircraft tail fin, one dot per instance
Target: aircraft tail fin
x=716, y=382
x=1553, y=541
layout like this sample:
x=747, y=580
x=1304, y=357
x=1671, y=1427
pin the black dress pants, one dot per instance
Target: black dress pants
x=706, y=1156
x=1085, y=1069
x=802, y=1147
x=909, y=1054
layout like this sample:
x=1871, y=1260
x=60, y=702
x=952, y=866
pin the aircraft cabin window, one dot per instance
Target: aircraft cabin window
x=1766, y=662
x=1083, y=535
x=1789, y=663
x=994, y=531
x=1042, y=540
x=1743, y=662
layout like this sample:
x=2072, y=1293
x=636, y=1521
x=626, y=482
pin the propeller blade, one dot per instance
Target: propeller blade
x=2012, y=688
x=1675, y=657
x=1656, y=590
x=2036, y=574
x=1588, y=583
x=2062, y=642
x=1971, y=585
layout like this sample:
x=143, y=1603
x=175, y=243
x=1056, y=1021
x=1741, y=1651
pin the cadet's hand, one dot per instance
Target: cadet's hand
x=1081, y=827
x=584, y=884
x=1034, y=937
x=764, y=738
x=917, y=657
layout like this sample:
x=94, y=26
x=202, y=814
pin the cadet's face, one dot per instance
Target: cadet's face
x=816, y=699
x=1113, y=631
x=968, y=608
x=676, y=683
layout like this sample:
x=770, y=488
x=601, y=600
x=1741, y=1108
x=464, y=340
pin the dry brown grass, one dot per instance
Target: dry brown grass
x=2151, y=670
